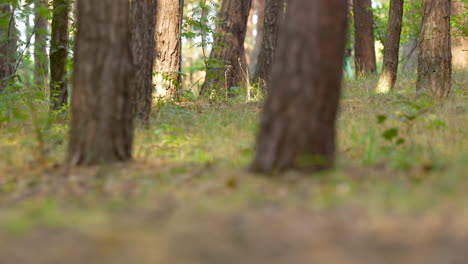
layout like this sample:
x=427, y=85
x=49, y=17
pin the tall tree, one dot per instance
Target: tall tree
x=392, y=47
x=260, y=10
x=364, y=47
x=298, y=123
x=273, y=19
x=41, y=64
x=101, y=109
x=435, y=57
x=228, y=48
x=143, y=22
x=168, y=59
x=8, y=44
x=59, y=53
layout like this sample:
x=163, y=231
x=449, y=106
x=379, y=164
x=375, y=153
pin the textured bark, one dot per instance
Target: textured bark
x=41, y=64
x=168, y=61
x=59, y=53
x=143, y=22
x=101, y=108
x=8, y=44
x=228, y=48
x=435, y=57
x=273, y=19
x=298, y=123
x=260, y=7
x=460, y=39
x=364, y=48
x=392, y=47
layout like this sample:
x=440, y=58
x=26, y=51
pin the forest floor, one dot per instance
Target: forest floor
x=397, y=195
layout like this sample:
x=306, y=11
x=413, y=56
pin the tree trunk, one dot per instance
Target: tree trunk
x=260, y=6
x=298, y=123
x=273, y=19
x=364, y=48
x=227, y=66
x=143, y=22
x=435, y=57
x=8, y=45
x=460, y=38
x=168, y=61
x=41, y=64
x=392, y=48
x=59, y=53
x=101, y=107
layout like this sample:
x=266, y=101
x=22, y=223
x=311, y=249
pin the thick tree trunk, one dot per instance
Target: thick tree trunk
x=168, y=61
x=59, y=54
x=460, y=39
x=392, y=48
x=41, y=64
x=101, y=108
x=143, y=22
x=228, y=49
x=8, y=45
x=298, y=123
x=364, y=47
x=260, y=7
x=435, y=57
x=273, y=19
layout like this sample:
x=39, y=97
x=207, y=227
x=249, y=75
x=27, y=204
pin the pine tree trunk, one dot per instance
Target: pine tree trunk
x=228, y=49
x=364, y=47
x=273, y=19
x=101, y=107
x=435, y=57
x=260, y=6
x=8, y=45
x=168, y=61
x=392, y=48
x=298, y=123
x=460, y=39
x=143, y=22
x=59, y=54
x=41, y=64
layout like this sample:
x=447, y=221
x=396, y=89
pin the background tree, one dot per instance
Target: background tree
x=41, y=64
x=59, y=53
x=460, y=34
x=168, y=61
x=260, y=8
x=273, y=19
x=8, y=43
x=392, y=48
x=101, y=109
x=298, y=123
x=143, y=22
x=435, y=56
x=364, y=47
x=227, y=64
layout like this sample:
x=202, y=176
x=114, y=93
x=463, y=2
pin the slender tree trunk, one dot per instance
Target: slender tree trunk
x=59, y=53
x=41, y=64
x=101, y=107
x=460, y=39
x=228, y=49
x=168, y=61
x=298, y=123
x=273, y=20
x=435, y=57
x=260, y=6
x=143, y=22
x=392, y=48
x=364, y=49
x=8, y=45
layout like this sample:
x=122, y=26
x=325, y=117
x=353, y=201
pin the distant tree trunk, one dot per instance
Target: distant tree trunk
x=298, y=123
x=273, y=19
x=8, y=44
x=364, y=47
x=101, y=107
x=392, y=48
x=435, y=57
x=228, y=49
x=260, y=6
x=460, y=37
x=168, y=61
x=59, y=53
x=41, y=64
x=143, y=22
